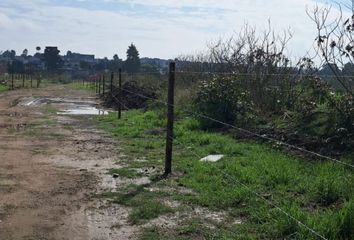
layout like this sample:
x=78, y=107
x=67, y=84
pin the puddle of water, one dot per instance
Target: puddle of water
x=71, y=106
x=30, y=101
x=83, y=110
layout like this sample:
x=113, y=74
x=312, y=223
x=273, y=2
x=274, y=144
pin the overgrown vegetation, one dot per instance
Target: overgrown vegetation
x=320, y=194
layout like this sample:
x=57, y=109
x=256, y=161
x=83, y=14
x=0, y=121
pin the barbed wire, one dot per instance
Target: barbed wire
x=265, y=74
x=249, y=189
x=247, y=131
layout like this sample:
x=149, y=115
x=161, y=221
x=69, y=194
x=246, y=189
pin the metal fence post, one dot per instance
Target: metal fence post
x=170, y=119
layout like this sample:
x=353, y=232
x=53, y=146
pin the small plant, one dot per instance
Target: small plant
x=327, y=191
x=148, y=210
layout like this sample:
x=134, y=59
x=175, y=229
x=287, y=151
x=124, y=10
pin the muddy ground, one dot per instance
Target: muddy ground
x=52, y=166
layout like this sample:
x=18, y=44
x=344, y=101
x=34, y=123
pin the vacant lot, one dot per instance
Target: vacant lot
x=96, y=177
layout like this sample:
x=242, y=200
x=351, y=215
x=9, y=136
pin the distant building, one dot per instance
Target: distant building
x=77, y=57
x=76, y=61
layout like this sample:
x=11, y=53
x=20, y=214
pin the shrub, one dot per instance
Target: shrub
x=326, y=113
x=224, y=99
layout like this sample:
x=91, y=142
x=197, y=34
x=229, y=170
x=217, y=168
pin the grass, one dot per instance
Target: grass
x=3, y=88
x=145, y=204
x=319, y=194
x=125, y=172
x=81, y=86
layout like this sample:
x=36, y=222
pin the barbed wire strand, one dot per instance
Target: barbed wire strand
x=249, y=132
x=249, y=189
x=238, y=182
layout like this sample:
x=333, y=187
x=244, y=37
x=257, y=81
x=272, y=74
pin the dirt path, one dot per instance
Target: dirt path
x=51, y=167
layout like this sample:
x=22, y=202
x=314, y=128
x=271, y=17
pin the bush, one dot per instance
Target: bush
x=224, y=99
x=326, y=113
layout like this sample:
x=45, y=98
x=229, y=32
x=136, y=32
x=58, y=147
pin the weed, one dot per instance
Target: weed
x=291, y=183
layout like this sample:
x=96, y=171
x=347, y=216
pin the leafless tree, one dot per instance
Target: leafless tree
x=260, y=59
x=334, y=44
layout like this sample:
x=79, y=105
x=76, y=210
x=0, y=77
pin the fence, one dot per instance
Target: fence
x=15, y=81
x=107, y=84
x=104, y=84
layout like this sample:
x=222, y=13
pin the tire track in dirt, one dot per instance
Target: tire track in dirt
x=51, y=167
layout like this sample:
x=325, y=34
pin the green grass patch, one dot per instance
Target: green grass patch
x=148, y=210
x=145, y=204
x=3, y=88
x=126, y=172
x=319, y=194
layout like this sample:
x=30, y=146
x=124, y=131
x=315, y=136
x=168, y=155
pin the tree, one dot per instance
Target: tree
x=16, y=67
x=24, y=53
x=334, y=42
x=115, y=57
x=52, y=59
x=132, y=64
x=9, y=54
x=115, y=64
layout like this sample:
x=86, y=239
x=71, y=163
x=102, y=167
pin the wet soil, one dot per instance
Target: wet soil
x=52, y=167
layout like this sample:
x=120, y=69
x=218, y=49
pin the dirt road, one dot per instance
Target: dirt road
x=51, y=168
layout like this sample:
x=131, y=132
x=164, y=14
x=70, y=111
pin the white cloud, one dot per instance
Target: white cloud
x=170, y=28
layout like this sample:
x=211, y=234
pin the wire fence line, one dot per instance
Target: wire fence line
x=249, y=189
x=14, y=81
x=249, y=132
x=254, y=192
x=224, y=173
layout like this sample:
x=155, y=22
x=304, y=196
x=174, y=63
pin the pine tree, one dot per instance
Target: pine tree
x=132, y=64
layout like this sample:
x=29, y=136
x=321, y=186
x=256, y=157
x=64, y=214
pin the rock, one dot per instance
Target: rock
x=115, y=175
x=212, y=158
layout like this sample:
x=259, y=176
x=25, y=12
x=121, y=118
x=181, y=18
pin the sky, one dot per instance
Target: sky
x=159, y=28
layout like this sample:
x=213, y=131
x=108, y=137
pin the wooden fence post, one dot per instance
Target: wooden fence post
x=112, y=77
x=23, y=80
x=96, y=85
x=170, y=119
x=120, y=94
x=103, y=84
x=12, y=81
x=31, y=76
x=99, y=84
x=38, y=80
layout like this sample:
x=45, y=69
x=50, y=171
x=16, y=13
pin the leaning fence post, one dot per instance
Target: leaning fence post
x=120, y=94
x=170, y=119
